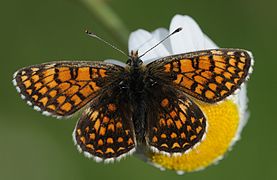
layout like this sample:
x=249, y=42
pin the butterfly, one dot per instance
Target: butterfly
x=138, y=105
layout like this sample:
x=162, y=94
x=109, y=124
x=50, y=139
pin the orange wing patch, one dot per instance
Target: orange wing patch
x=104, y=132
x=62, y=88
x=209, y=75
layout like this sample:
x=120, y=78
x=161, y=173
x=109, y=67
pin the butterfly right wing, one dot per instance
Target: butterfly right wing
x=176, y=124
x=62, y=88
x=208, y=75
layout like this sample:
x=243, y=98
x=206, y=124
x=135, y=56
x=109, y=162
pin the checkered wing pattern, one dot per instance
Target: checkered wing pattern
x=105, y=130
x=177, y=124
x=209, y=75
x=61, y=88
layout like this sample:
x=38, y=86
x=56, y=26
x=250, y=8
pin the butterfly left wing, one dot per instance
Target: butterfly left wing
x=176, y=124
x=208, y=75
x=105, y=131
x=62, y=88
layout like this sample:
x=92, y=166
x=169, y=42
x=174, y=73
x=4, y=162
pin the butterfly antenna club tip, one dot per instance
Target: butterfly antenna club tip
x=175, y=31
x=92, y=34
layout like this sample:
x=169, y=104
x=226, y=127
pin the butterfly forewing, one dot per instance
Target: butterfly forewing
x=176, y=125
x=209, y=75
x=105, y=129
x=61, y=88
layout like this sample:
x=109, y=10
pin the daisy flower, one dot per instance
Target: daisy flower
x=225, y=119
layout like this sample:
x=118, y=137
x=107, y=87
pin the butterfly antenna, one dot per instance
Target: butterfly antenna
x=91, y=34
x=176, y=30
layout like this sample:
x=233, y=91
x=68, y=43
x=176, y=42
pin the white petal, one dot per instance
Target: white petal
x=117, y=62
x=241, y=100
x=142, y=40
x=189, y=39
x=160, y=34
x=208, y=43
x=242, y=103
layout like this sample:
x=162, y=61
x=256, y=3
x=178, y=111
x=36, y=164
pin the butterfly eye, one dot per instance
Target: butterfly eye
x=140, y=61
x=129, y=61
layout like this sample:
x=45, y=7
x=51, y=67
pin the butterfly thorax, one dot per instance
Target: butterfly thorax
x=136, y=74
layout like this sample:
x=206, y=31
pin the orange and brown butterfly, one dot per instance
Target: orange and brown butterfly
x=126, y=107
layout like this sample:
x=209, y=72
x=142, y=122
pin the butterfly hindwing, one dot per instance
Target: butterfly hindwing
x=209, y=75
x=61, y=88
x=176, y=123
x=105, y=130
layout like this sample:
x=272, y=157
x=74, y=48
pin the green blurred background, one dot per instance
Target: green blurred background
x=32, y=31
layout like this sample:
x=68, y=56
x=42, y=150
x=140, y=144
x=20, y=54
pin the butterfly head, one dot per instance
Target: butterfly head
x=134, y=60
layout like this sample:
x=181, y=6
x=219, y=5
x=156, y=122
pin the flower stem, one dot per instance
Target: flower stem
x=109, y=19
